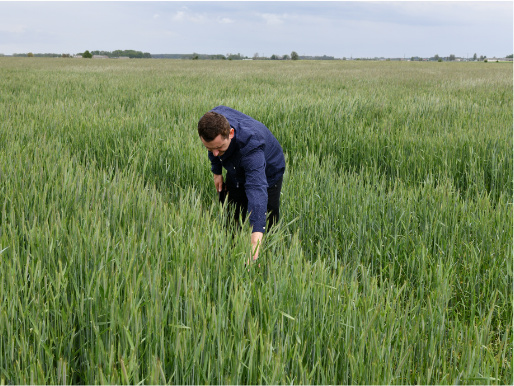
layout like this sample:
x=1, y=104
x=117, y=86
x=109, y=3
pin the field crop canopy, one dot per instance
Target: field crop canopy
x=392, y=263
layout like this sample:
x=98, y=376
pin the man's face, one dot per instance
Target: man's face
x=219, y=145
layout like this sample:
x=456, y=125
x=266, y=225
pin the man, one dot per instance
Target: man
x=254, y=162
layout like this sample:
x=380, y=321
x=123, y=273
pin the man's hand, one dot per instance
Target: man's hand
x=256, y=243
x=218, y=182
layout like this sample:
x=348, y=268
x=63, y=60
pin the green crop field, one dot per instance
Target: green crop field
x=392, y=263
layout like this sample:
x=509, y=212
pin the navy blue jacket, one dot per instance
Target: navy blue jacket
x=254, y=160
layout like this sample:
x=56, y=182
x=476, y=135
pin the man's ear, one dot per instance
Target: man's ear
x=231, y=133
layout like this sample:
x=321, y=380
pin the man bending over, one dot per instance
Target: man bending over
x=255, y=165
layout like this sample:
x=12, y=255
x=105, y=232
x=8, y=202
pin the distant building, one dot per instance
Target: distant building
x=100, y=57
x=499, y=59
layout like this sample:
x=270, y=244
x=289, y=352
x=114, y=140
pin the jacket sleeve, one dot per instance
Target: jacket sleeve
x=256, y=188
x=215, y=163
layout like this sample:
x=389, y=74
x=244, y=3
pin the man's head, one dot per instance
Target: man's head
x=215, y=133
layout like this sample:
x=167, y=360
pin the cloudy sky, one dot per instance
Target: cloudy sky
x=334, y=28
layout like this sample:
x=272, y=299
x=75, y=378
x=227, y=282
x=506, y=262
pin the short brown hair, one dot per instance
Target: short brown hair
x=213, y=124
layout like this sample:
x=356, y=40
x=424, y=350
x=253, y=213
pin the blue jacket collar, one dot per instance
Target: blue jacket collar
x=231, y=147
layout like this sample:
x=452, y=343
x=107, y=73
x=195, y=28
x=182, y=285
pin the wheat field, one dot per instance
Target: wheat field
x=392, y=262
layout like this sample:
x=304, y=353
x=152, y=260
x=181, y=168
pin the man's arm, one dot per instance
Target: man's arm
x=257, y=194
x=256, y=189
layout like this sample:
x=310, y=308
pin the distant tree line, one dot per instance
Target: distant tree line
x=452, y=58
x=196, y=56
x=133, y=54
x=324, y=57
x=238, y=56
x=168, y=56
x=295, y=56
x=89, y=54
x=230, y=56
x=31, y=55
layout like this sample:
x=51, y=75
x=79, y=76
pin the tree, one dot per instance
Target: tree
x=285, y=57
x=452, y=57
x=87, y=54
x=217, y=57
x=509, y=56
x=436, y=58
x=475, y=56
x=30, y=55
x=294, y=55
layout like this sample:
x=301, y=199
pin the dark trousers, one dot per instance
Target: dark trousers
x=236, y=197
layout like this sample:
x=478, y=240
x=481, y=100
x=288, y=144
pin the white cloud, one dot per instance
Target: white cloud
x=188, y=16
x=225, y=20
x=179, y=16
x=196, y=18
x=272, y=18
